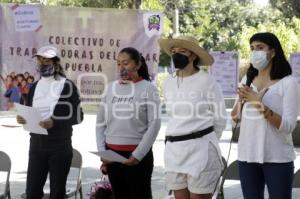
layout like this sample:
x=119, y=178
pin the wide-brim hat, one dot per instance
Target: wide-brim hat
x=189, y=43
x=48, y=52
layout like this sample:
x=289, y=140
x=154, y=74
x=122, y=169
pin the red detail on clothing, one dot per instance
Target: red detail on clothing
x=118, y=147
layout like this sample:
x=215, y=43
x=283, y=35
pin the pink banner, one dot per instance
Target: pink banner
x=89, y=41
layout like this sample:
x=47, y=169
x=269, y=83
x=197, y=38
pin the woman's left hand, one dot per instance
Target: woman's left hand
x=131, y=161
x=47, y=124
x=246, y=94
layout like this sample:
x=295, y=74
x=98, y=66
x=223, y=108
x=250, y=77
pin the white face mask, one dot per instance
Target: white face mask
x=259, y=59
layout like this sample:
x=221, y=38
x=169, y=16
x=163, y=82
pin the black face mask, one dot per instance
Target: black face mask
x=180, y=61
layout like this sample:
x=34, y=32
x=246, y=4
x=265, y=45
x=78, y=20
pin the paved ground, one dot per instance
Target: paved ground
x=14, y=141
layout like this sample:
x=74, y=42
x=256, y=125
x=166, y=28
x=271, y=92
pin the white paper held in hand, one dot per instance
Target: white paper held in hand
x=32, y=117
x=110, y=156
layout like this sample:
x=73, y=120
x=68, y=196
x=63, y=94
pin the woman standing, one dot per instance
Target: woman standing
x=128, y=123
x=197, y=113
x=58, y=101
x=269, y=116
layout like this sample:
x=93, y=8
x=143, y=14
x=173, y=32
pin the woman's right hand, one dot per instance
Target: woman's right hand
x=103, y=166
x=20, y=120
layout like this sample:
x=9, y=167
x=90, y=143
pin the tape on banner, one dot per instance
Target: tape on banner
x=39, y=28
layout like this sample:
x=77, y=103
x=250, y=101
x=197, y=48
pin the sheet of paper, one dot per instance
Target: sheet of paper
x=26, y=18
x=32, y=117
x=110, y=156
x=225, y=71
x=295, y=64
x=9, y=122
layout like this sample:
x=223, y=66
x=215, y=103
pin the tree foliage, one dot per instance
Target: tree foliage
x=225, y=25
x=220, y=25
x=289, y=8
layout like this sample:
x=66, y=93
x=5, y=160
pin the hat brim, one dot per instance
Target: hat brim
x=167, y=44
x=44, y=55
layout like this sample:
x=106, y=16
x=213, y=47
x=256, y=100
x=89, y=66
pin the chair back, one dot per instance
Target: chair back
x=76, y=160
x=5, y=166
x=296, y=182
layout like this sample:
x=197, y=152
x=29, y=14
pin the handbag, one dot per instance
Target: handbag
x=101, y=189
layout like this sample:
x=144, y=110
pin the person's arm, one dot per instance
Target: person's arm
x=101, y=125
x=237, y=107
x=273, y=118
x=100, y=132
x=236, y=111
x=291, y=97
x=68, y=110
x=153, y=120
x=220, y=114
x=77, y=117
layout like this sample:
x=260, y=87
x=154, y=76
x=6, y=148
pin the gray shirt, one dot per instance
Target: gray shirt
x=129, y=114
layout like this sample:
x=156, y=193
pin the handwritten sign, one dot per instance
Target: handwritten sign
x=295, y=64
x=26, y=18
x=225, y=71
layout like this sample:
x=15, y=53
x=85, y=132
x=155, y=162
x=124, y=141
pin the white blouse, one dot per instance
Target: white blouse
x=259, y=141
x=193, y=103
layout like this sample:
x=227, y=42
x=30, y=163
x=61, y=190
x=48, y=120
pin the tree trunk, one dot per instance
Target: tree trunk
x=138, y=4
x=134, y=4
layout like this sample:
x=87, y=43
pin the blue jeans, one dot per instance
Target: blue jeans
x=277, y=176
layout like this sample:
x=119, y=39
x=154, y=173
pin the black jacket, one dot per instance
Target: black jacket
x=67, y=112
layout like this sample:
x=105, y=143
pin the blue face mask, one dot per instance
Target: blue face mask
x=46, y=70
x=259, y=59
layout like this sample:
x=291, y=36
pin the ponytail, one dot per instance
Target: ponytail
x=143, y=70
x=58, y=69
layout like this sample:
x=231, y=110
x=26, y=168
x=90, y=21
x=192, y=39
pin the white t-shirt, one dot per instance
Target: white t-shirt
x=193, y=103
x=259, y=141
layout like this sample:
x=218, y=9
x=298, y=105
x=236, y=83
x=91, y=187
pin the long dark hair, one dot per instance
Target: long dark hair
x=280, y=65
x=58, y=69
x=196, y=63
x=136, y=56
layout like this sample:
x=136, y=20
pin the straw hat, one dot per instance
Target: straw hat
x=188, y=43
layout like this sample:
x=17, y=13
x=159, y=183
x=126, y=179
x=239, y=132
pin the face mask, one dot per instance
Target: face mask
x=126, y=74
x=259, y=59
x=46, y=70
x=180, y=61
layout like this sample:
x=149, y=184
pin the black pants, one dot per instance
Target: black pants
x=48, y=157
x=131, y=182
